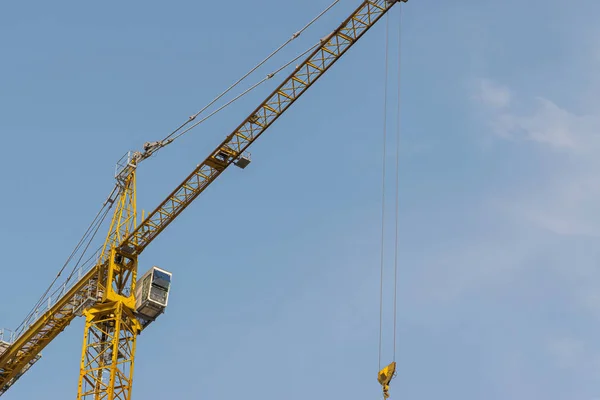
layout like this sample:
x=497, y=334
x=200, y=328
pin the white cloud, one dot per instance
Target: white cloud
x=492, y=94
x=553, y=126
x=567, y=203
x=546, y=123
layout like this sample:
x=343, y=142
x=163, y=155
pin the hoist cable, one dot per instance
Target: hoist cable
x=383, y=186
x=87, y=246
x=293, y=37
x=108, y=205
x=397, y=191
x=168, y=140
x=94, y=226
x=251, y=88
x=397, y=176
x=79, y=244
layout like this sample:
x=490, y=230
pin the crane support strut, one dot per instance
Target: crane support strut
x=111, y=328
x=108, y=352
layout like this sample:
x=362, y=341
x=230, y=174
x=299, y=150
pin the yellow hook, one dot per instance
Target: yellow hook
x=385, y=376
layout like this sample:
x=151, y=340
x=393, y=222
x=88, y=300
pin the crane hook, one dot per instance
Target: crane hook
x=385, y=376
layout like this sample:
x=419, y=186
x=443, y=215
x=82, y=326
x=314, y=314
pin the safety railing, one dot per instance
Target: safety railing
x=7, y=336
x=50, y=300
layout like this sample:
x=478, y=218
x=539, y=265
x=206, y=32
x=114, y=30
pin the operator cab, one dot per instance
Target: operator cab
x=152, y=295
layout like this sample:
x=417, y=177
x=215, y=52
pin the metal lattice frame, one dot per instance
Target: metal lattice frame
x=27, y=347
x=124, y=219
x=111, y=327
x=107, y=360
x=306, y=74
x=38, y=335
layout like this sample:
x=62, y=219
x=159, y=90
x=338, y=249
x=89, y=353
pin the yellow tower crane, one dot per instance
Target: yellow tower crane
x=117, y=305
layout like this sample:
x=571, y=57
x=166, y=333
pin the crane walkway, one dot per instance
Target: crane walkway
x=21, y=349
x=6, y=339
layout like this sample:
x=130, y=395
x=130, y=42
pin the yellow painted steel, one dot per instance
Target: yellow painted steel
x=305, y=75
x=385, y=377
x=107, y=365
x=111, y=327
x=124, y=217
x=46, y=328
x=104, y=294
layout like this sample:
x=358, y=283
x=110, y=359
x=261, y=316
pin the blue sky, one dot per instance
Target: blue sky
x=276, y=267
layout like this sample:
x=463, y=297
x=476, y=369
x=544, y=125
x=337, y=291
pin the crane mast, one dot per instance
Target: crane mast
x=111, y=327
x=105, y=295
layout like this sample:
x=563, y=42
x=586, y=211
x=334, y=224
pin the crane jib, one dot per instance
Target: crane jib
x=331, y=48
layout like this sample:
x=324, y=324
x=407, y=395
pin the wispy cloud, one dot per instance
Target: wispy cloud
x=546, y=123
x=567, y=203
x=492, y=94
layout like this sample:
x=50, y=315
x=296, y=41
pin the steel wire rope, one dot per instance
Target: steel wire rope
x=87, y=262
x=387, y=28
x=62, y=287
x=90, y=227
x=88, y=245
x=398, y=130
x=268, y=77
x=271, y=75
x=57, y=292
x=168, y=140
x=95, y=222
x=35, y=309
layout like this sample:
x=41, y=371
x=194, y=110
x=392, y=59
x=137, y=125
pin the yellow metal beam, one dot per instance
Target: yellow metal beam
x=108, y=352
x=111, y=328
x=317, y=63
x=33, y=340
